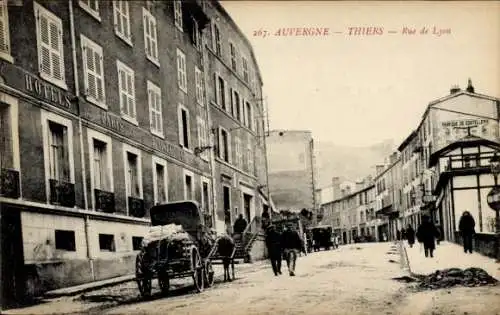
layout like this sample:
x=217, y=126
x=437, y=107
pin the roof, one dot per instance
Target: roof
x=349, y=195
x=466, y=141
x=408, y=139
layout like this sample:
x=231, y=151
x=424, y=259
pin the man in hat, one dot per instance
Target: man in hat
x=291, y=244
x=273, y=243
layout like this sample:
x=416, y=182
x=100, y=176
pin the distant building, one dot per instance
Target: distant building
x=292, y=170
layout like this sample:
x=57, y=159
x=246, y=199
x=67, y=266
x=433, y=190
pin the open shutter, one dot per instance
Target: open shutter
x=131, y=94
x=99, y=76
x=44, y=52
x=151, y=110
x=122, y=81
x=180, y=126
x=56, y=55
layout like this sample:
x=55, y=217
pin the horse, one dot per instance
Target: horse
x=225, y=249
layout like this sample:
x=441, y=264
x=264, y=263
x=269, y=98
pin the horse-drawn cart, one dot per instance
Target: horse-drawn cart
x=179, y=245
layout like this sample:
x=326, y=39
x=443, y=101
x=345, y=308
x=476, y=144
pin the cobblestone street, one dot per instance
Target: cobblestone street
x=354, y=279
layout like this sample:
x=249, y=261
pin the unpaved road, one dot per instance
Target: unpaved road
x=354, y=279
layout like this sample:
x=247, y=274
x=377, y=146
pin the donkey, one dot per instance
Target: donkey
x=225, y=248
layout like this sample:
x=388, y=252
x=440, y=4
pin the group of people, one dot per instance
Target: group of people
x=285, y=244
x=428, y=234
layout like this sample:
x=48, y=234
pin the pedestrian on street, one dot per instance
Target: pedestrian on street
x=410, y=235
x=239, y=226
x=466, y=228
x=426, y=234
x=273, y=243
x=291, y=245
x=403, y=234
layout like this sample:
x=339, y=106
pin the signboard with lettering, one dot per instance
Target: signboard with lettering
x=33, y=85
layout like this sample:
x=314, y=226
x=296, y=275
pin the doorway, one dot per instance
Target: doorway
x=247, y=203
x=226, y=195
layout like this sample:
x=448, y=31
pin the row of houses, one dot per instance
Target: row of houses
x=441, y=170
x=108, y=108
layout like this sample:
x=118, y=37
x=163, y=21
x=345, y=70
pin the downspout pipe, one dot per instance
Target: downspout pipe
x=80, y=135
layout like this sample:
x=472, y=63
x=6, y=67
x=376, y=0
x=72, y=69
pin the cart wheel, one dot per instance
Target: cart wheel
x=164, y=282
x=209, y=274
x=142, y=276
x=197, y=269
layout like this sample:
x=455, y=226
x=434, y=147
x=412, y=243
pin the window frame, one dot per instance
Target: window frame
x=178, y=21
x=233, y=55
x=38, y=11
x=203, y=138
x=120, y=66
x=216, y=40
x=130, y=149
x=191, y=174
x=91, y=135
x=12, y=109
x=6, y=55
x=46, y=117
x=153, y=88
x=200, y=97
x=246, y=76
x=87, y=43
x=181, y=108
x=221, y=147
x=117, y=14
x=181, y=70
x=86, y=7
x=159, y=161
x=208, y=209
x=148, y=17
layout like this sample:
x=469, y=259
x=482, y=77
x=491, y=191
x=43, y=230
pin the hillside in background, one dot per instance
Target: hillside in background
x=349, y=163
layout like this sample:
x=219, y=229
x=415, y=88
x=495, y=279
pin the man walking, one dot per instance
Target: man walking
x=466, y=229
x=410, y=235
x=291, y=244
x=239, y=226
x=426, y=234
x=273, y=243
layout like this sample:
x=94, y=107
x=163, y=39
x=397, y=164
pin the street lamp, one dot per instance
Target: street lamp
x=494, y=200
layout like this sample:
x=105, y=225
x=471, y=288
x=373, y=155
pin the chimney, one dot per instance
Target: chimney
x=455, y=89
x=470, y=88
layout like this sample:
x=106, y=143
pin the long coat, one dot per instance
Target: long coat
x=427, y=233
x=273, y=243
x=466, y=225
x=410, y=235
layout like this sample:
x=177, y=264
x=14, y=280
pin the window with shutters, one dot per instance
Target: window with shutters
x=232, y=49
x=224, y=145
x=178, y=14
x=155, y=109
x=93, y=72
x=202, y=136
x=92, y=7
x=220, y=91
x=150, y=37
x=188, y=185
x=133, y=171
x=216, y=40
x=236, y=105
x=121, y=15
x=245, y=70
x=184, y=126
x=198, y=77
x=196, y=35
x=126, y=88
x=181, y=70
x=4, y=32
x=50, y=46
x=159, y=180
x=100, y=156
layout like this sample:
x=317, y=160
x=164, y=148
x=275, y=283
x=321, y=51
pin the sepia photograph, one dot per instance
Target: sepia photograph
x=249, y=157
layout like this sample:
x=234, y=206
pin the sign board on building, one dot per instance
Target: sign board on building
x=493, y=198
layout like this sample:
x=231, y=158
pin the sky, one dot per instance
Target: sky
x=361, y=90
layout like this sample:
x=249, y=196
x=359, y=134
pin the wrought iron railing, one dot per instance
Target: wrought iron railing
x=136, y=207
x=9, y=183
x=62, y=193
x=104, y=201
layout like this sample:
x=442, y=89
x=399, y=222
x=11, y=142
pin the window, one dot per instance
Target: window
x=239, y=155
x=126, y=88
x=184, y=127
x=9, y=140
x=155, y=109
x=245, y=70
x=196, y=35
x=248, y=115
x=235, y=106
x=178, y=14
x=160, y=180
x=225, y=145
x=92, y=7
x=181, y=70
x=50, y=46
x=4, y=32
x=220, y=91
x=205, y=195
x=198, y=76
x=121, y=14
x=188, y=185
x=133, y=171
x=93, y=72
x=233, y=56
x=107, y=243
x=137, y=242
x=101, y=171
x=65, y=240
x=150, y=38
x=202, y=136
x=58, y=152
x=216, y=40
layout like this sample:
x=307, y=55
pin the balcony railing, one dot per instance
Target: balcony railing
x=104, y=201
x=9, y=183
x=62, y=193
x=136, y=207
